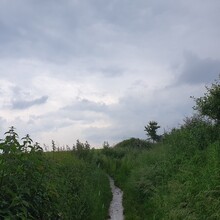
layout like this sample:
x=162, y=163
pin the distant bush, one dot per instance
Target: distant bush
x=82, y=150
x=196, y=133
x=114, y=153
x=135, y=143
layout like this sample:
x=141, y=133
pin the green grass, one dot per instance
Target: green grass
x=54, y=185
x=178, y=178
x=85, y=190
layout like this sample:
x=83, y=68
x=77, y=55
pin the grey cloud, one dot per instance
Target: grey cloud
x=112, y=72
x=110, y=43
x=109, y=71
x=134, y=15
x=85, y=105
x=127, y=118
x=113, y=134
x=28, y=34
x=48, y=123
x=127, y=108
x=82, y=111
x=23, y=104
x=70, y=28
x=198, y=70
x=2, y=123
x=132, y=113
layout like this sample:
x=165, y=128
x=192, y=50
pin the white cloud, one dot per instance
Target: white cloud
x=98, y=70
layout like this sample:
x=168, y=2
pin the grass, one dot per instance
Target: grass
x=54, y=185
x=177, y=178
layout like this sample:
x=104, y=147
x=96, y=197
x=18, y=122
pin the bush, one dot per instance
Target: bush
x=24, y=183
x=52, y=185
x=209, y=104
x=134, y=143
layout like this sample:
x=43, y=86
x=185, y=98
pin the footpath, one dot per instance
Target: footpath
x=116, y=207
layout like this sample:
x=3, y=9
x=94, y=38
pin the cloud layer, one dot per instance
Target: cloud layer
x=101, y=70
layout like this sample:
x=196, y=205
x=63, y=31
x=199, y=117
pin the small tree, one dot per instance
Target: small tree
x=106, y=145
x=151, y=130
x=209, y=104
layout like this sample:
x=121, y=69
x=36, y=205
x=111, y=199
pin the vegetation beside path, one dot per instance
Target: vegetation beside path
x=51, y=185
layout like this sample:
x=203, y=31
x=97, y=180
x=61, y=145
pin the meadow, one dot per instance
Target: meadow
x=50, y=185
x=178, y=178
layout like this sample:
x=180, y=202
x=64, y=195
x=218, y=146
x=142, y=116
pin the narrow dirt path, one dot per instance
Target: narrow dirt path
x=116, y=208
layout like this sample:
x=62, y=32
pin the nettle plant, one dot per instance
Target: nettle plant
x=23, y=182
x=11, y=144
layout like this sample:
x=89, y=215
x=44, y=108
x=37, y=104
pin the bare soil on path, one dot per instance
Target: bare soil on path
x=116, y=207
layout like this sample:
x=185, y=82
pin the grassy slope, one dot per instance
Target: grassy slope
x=176, y=179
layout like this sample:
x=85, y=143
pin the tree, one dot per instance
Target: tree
x=209, y=104
x=151, y=130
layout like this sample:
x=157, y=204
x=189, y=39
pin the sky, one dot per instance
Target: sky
x=100, y=70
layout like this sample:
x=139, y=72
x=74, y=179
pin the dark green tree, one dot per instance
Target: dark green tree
x=151, y=130
x=209, y=104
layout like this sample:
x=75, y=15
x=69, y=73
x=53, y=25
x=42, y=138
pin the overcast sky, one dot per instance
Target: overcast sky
x=100, y=70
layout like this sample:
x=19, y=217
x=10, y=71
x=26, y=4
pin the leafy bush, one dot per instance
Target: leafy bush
x=24, y=190
x=134, y=143
x=82, y=150
x=209, y=104
x=52, y=185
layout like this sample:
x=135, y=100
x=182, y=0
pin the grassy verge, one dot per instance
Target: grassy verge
x=175, y=179
x=55, y=185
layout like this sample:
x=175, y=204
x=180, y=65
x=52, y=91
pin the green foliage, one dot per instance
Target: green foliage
x=82, y=188
x=195, y=133
x=172, y=180
x=82, y=150
x=23, y=184
x=52, y=185
x=134, y=143
x=10, y=144
x=209, y=104
x=106, y=144
x=151, y=130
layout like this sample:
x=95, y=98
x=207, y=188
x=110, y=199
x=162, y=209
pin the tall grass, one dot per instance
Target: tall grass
x=52, y=185
x=177, y=178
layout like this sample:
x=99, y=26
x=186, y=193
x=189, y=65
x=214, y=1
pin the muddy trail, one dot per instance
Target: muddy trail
x=116, y=207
